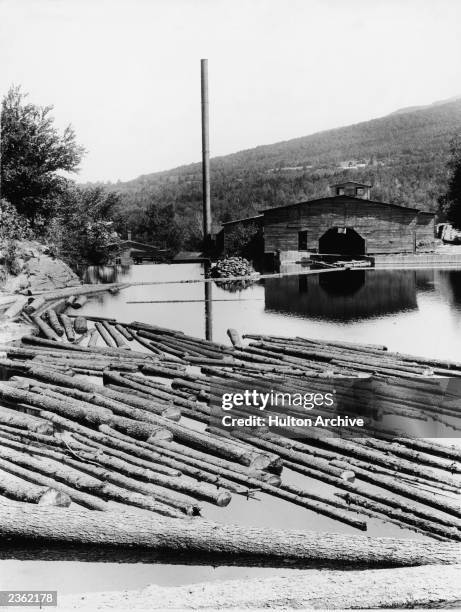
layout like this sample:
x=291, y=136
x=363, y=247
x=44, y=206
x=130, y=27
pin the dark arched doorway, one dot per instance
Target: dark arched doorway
x=341, y=241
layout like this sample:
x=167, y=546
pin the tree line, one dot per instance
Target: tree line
x=84, y=224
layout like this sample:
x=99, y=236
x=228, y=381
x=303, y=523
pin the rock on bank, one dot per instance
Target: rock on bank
x=29, y=265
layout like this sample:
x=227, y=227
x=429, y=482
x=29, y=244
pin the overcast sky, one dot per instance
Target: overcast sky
x=126, y=73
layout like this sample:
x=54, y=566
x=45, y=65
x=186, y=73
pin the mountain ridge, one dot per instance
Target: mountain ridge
x=403, y=155
x=290, y=141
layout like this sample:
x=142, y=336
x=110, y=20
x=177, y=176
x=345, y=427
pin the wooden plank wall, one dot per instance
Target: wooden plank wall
x=425, y=230
x=386, y=229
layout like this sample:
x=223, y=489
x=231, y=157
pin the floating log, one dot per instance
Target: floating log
x=68, y=327
x=197, y=535
x=84, y=499
x=234, y=338
x=116, y=337
x=93, y=338
x=124, y=331
x=79, y=301
x=18, y=489
x=54, y=322
x=424, y=587
x=15, y=309
x=15, y=418
x=128, y=476
x=80, y=325
x=46, y=330
x=73, y=409
x=34, y=305
x=101, y=396
x=104, y=333
x=429, y=527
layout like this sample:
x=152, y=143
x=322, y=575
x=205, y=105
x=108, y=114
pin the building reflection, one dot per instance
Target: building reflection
x=448, y=283
x=344, y=296
x=105, y=274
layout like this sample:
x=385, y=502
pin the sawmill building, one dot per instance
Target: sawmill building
x=346, y=222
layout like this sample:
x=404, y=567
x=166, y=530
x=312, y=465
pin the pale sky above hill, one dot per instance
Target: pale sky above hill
x=126, y=73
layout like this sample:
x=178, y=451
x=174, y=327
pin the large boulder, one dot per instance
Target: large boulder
x=29, y=265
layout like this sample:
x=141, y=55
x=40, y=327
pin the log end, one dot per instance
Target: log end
x=223, y=498
x=52, y=497
x=161, y=434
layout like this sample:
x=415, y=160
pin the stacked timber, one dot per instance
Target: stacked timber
x=100, y=415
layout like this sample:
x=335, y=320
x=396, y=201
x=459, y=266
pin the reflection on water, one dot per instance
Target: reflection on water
x=105, y=274
x=343, y=296
x=415, y=311
x=412, y=311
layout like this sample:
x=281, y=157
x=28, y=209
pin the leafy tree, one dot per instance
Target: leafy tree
x=245, y=241
x=13, y=226
x=82, y=230
x=451, y=202
x=33, y=157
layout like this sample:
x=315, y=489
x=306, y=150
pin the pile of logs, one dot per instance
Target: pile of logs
x=100, y=415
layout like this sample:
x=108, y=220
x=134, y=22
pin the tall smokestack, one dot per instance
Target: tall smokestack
x=205, y=156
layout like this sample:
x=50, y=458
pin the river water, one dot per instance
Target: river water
x=414, y=311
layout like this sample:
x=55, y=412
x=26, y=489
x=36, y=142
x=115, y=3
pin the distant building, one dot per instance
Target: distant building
x=132, y=251
x=348, y=222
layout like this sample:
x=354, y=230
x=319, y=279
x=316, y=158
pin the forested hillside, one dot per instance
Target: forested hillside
x=403, y=155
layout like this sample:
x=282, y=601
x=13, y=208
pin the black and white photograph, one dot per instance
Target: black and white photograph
x=230, y=304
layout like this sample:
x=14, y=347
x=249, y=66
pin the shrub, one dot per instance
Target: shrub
x=13, y=226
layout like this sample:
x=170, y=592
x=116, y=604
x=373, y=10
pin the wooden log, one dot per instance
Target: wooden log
x=116, y=337
x=96, y=480
x=194, y=463
x=419, y=587
x=124, y=331
x=18, y=419
x=52, y=497
x=34, y=305
x=18, y=489
x=141, y=430
x=93, y=338
x=440, y=450
x=73, y=409
x=366, y=493
x=166, y=394
x=80, y=325
x=234, y=338
x=336, y=468
x=102, y=396
x=148, y=345
x=15, y=309
x=45, y=329
x=94, y=318
x=104, y=334
x=429, y=527
x=53, y=321
x=128, y=476
x=68, y=327
x=79, y=301
x=84, y=499
x=44, y=343
x=138, y=325
x=152, y=369
x=394, y=448
x=200, y=536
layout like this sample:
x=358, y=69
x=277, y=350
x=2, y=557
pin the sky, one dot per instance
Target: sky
x=126, y=73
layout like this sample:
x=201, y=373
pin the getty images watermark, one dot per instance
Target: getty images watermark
x=254, y=400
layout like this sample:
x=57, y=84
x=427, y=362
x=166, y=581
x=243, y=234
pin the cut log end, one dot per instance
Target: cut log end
x=52, y=497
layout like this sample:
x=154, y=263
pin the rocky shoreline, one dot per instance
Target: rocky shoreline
x=30, y=266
